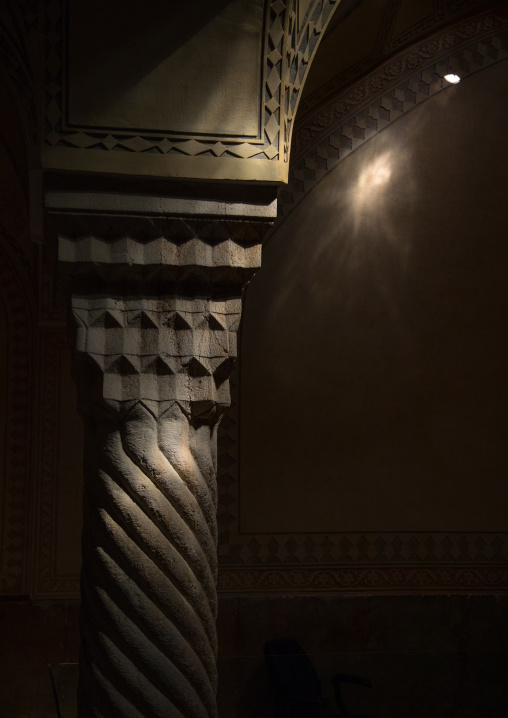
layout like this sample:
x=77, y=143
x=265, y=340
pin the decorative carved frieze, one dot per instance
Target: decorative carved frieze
x=15, y=462
x=354, y=579
x=159, y=350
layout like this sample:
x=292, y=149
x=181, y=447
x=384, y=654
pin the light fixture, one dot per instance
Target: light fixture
x=452, y=78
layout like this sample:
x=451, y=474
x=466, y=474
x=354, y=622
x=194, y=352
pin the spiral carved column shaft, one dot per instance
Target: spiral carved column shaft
x=153, y=384
x=153, y=356
x=148, y=581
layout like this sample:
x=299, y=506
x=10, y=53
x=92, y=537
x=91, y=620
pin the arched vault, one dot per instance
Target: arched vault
x=166, y=91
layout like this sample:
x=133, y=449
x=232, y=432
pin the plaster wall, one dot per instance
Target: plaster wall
x=373, y=387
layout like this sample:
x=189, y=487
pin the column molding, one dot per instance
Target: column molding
x=156, y=305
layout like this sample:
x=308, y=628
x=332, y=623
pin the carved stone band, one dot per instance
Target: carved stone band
x=159, y=350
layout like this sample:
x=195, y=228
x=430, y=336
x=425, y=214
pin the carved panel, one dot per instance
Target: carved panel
x=287, y=52
x=15, y=462
x=165, y=67
x=58, y=473
x=264, y=146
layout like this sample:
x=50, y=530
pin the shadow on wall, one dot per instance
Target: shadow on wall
x=165, y=67
x=426, y=656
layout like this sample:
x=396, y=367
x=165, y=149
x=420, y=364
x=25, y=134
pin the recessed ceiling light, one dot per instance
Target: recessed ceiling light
x=452, y=78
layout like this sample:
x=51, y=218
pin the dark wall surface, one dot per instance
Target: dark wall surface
x=426, y=656
x=373, y=382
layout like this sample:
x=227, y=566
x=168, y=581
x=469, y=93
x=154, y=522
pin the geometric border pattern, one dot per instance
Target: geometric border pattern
x=364, y=562
x=15, y=505
x=399, y=85
x=46, y=581
x=350, y=580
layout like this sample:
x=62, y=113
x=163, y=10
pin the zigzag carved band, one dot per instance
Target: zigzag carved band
x=389, y=579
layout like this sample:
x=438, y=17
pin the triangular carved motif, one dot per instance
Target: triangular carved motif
x=223, y=371
x=108, y=320
x=195, y=368
x=158, y=366
x=272, y=128
x=273, y=81
x=143, y=321
x=79, y=318
x=122, y=366
x=276, y=32
x=214, y=324
x=177, y=322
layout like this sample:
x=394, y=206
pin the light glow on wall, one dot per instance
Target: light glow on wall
x=368, y=192
x=375, y=175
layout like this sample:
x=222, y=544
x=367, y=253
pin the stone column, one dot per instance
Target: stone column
x=156, y=303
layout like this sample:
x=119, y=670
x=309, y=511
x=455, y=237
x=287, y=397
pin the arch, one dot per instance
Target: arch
x=332, y=131
x=470, y=47
x=306, y=22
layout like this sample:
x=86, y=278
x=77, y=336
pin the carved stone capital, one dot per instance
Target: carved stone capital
x=156, y=299
x=159, y=350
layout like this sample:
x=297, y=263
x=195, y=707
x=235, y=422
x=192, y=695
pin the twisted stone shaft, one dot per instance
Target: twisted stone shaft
x=149, y=565
x=156, y=303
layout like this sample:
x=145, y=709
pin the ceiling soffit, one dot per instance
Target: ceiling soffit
x=111, y=98
x=279, y=38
